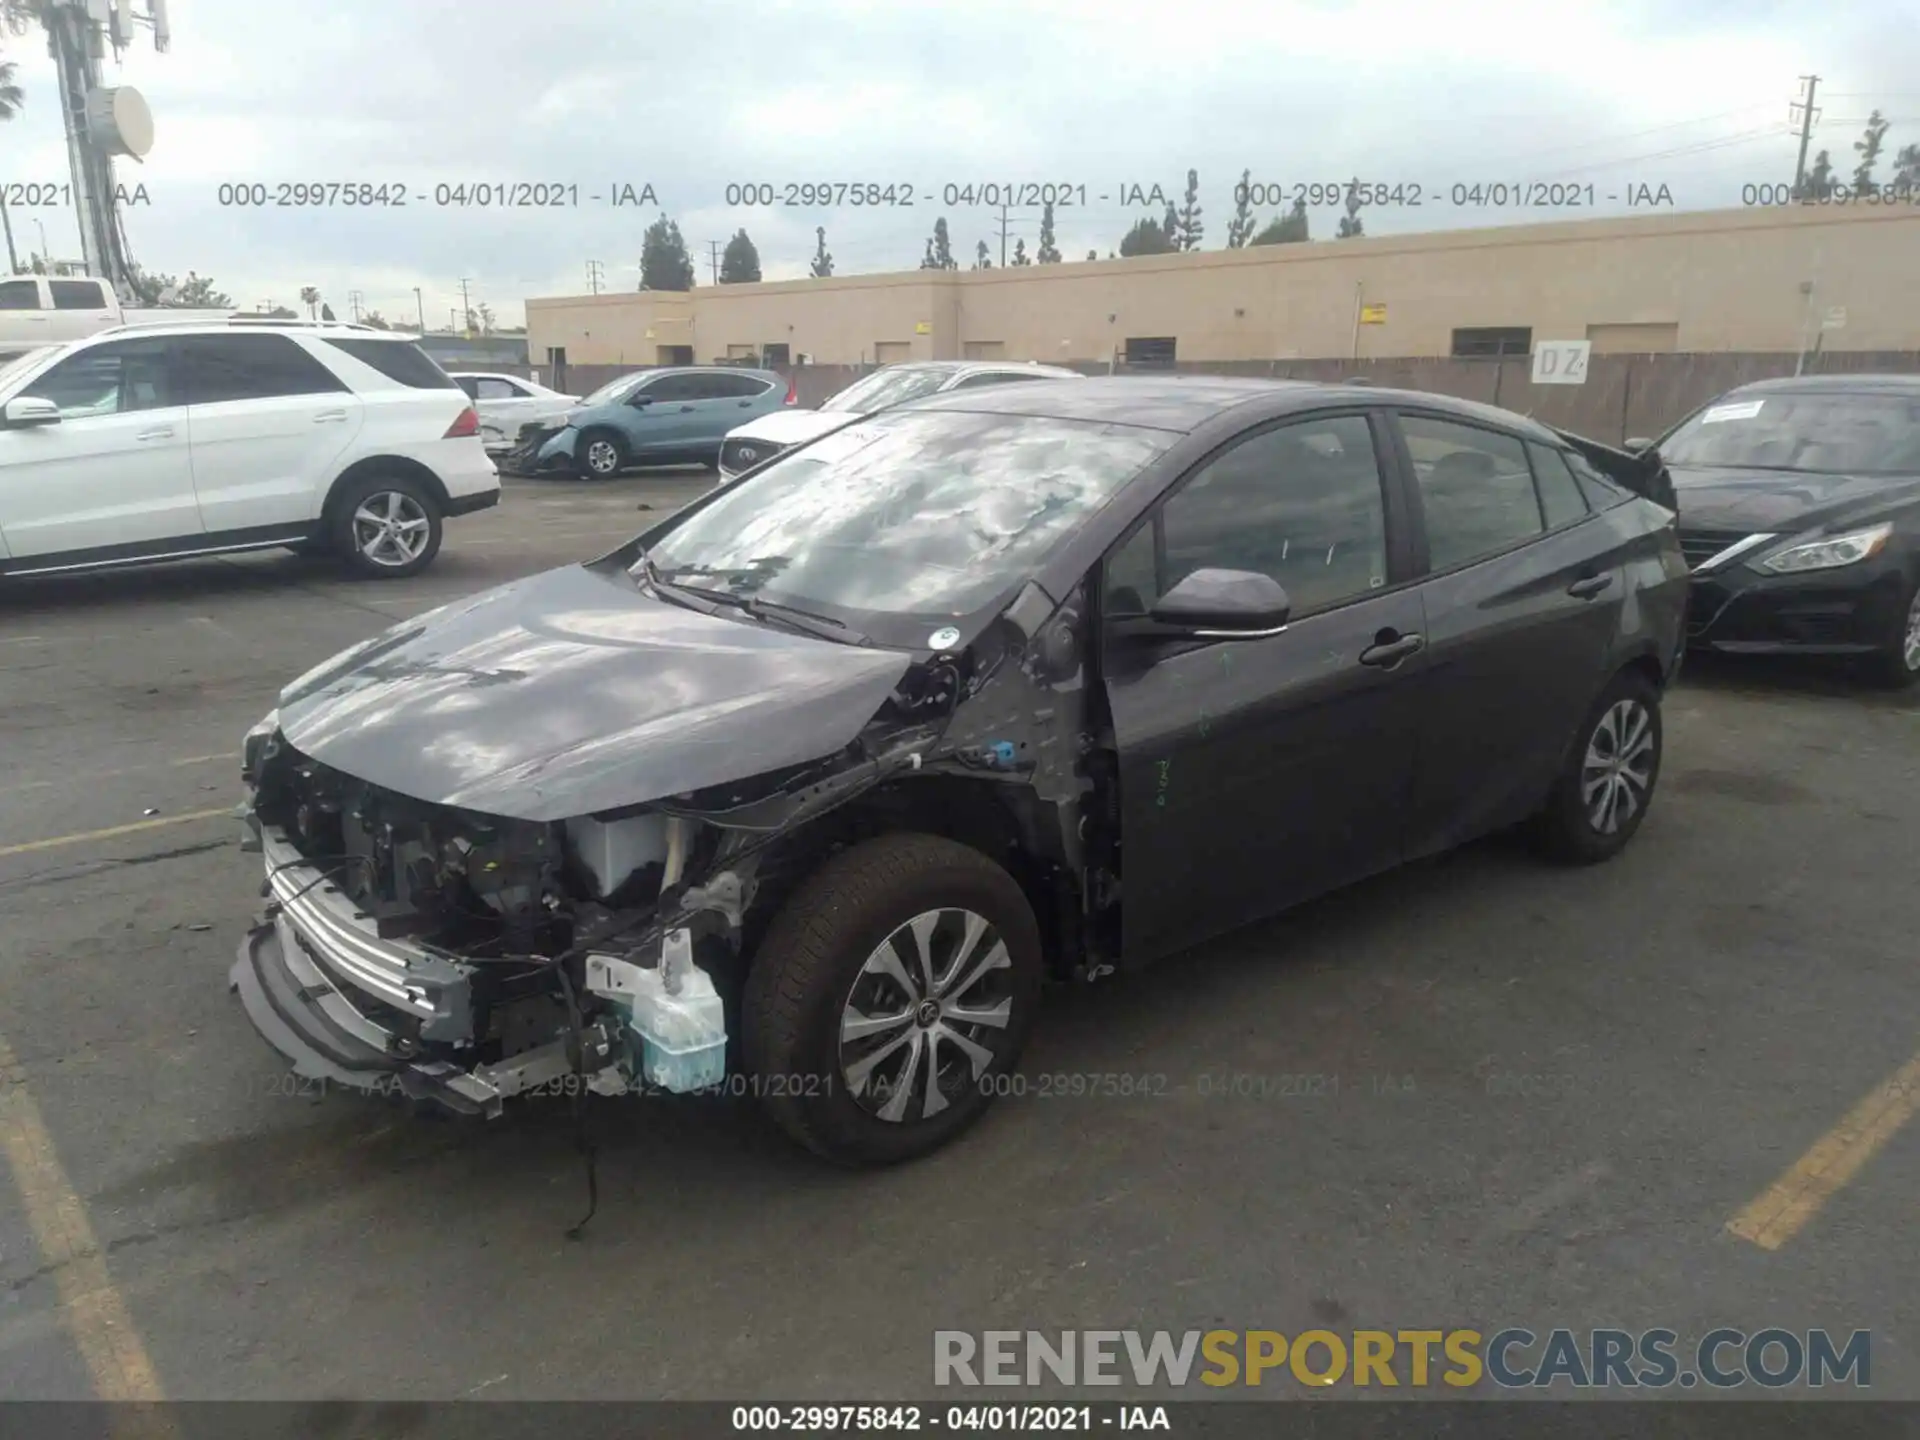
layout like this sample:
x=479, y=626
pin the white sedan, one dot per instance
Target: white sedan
x=506, y=402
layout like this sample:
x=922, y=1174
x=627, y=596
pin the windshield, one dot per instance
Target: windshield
x=892, y=386
x=916, y=514
x=1827, y=433
x=613, y=390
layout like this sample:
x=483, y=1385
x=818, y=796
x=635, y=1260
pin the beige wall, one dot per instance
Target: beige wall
x=1716, y=281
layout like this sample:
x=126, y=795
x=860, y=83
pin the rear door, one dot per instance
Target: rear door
x=1522, y=600
x=26, y=320
x=1257, y=772
x=720, y=401
x=81, y=307
x=114, y=474
x=268, y=423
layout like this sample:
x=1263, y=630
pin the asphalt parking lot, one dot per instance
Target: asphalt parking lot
x=1479, y=1092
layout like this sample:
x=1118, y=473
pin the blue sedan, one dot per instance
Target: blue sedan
x=661, y=417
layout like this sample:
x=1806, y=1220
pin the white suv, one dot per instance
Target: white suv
x=160, y=441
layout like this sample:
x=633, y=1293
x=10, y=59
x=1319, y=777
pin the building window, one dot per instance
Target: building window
x=1488, y=342
x=776, y=355
x=1156, y=350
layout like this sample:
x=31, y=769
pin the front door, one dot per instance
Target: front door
x=1255, y=773
x=113, y=474
x=1523, y=601
x=269, y=421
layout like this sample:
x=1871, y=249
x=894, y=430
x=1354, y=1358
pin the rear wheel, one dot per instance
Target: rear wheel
x=891, y=998
x=601, y=456
x=1897, y=663
x=387, y=526
x=1603, y=794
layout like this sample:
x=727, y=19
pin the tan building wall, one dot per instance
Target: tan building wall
x=1704, y=282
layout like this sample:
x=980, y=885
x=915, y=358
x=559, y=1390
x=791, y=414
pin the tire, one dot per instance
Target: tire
x=599, y=455
x=1896, y=665
x=367, y=506
x=830, y=953
x=1575, y=830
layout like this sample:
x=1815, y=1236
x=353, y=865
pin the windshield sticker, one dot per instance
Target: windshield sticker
x=944, y=638
x=1745, y=410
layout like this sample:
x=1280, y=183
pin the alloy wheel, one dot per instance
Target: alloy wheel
x=391, y=528
x=1910, y=646
x=1617, y=773
x=926, y=1015
x=603, y=457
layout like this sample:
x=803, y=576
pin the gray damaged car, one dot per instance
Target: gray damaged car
x=806, y=790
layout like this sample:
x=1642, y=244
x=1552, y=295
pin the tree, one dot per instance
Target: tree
x=310, y=297
x=1867, y=147
x=196, y=291
x=1350, y=228
x=326, y=312
x=1049, y=253
x=1020, y=256
x=1819, y=181
x=1093, y=254
x=1147, y=237
x=940, y=249
x=822, y=261
x=376, y=320
x=1906, y=171
x=485, y=312
x=664, y=261
x=981, y=260
x=1185, y=229
x=1240, y=228
x=12, y=97
x=739, y=262
x=1288, y=229
x=1171, y=226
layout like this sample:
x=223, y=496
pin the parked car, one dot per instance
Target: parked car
x=673, y=415
x=157, y=442
x=758, y=441
x=508, y=403
x=1800, y=514
x=824, y=774
x=39, y=310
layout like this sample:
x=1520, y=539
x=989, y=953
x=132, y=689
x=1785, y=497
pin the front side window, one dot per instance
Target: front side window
x=1475, y=489
x=676, y=388
x=490, y=388
x=1301, y=503
x=19, y=295
x=614, y=391
x=251, y=367
x=109, y=379
x=77, y=295
x=925, y=516
x=1825, y=432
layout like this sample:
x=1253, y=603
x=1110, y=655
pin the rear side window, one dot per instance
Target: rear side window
x=399, y=360
x=20, y=295
x=469, y=384
x=1602, y=493
x=732, y=387
x=1561, y=499
x=1476, y=490
x=77, y=295
x=251, y=367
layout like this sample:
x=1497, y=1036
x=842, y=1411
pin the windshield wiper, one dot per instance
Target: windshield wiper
x=807, y=622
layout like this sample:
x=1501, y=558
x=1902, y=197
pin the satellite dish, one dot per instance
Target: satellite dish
x=119, y=121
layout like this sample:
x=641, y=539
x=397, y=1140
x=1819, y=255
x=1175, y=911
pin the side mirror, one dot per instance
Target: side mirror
x=1638, y=443
x=1224, y=605
x=639, y=400
x=28, y=410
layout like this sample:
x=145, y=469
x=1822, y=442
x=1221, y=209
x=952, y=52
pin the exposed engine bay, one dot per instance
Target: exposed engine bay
x=465, y=957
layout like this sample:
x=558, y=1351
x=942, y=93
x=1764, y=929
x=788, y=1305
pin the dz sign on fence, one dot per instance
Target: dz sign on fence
x=1561, y=362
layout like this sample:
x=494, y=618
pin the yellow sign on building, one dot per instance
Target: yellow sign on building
x=922, y=327
x=1373, y=314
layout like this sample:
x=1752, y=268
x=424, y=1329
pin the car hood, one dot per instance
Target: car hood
x=1779, y=501
x=574, y=692
x=791, y=427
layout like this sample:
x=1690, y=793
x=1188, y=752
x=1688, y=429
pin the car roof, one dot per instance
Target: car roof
x=707, y=370
x=1832, y=385
x=1183, y=403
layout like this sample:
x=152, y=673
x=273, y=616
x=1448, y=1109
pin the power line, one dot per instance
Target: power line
x=1633, y=135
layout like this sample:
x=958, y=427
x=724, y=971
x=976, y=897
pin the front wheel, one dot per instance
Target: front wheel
x=1603, y=794
x=1897, y=663
x=601, y=456
x=387, y=526
x=891, y=998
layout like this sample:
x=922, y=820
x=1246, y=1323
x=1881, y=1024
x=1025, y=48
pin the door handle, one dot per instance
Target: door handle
x=1588, y=586
x=329, y=415
x=163, y=432
x=1388, y=649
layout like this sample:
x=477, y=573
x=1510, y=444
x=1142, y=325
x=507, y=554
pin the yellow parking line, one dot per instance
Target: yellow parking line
x=1796, y=1197
x=96, y=1315
x=112, y=830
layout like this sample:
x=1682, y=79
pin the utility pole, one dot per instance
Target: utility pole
x=595, y=275
x=13, y=258
x=466, y=310
x=1003, y=237
x=714, y=260
x=353, y=302
x=1807, y=116
x=422, y=306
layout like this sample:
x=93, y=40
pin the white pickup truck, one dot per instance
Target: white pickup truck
x=38, y=310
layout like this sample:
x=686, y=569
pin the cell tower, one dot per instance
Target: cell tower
x=102, y=121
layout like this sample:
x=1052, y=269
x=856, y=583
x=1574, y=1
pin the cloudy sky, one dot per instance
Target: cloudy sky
x=692, y=97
